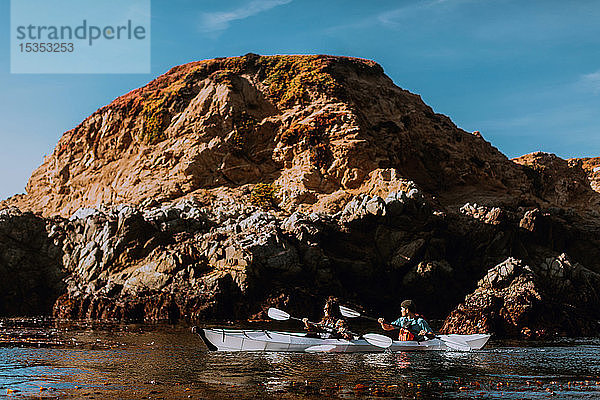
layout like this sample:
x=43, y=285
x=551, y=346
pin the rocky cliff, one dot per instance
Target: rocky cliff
x=591, y=166
x=229, y=184
x=313, y=125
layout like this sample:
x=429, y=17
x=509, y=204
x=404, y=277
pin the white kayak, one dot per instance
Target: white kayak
x=263, y=340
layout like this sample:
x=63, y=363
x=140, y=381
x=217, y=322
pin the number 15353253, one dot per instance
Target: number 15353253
x=46, y=47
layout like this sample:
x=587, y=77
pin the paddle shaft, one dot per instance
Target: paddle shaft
x=325, y=328
x=350, y=313
x=283, y=316
x=369, y=318
x=377, y=320
x=311, y=323
x=317, y=324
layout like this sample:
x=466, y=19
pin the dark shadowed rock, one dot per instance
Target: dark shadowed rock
x=30, y=273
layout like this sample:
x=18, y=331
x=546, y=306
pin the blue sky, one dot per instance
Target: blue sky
x=525, y=74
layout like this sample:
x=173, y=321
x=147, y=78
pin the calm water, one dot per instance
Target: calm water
x=42, y=361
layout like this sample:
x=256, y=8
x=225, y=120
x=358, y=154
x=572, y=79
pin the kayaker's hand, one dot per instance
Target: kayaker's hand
x=425, y=333
x=384, y=325
x=305, y=320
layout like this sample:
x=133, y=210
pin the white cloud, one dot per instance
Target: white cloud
x=592, y=81
x=399, y=16
x=219, y=21
x=395, y=18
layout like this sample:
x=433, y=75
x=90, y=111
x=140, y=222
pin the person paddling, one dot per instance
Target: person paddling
x=412, y=326
x=332, y=322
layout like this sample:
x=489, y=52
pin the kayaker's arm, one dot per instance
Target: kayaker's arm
x=315, y=326
x=385, y=326
x=426, y=331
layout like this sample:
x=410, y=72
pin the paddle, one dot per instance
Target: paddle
x=374, y=339
x=281, y=315
x=460, y=346
x=350, y=313
x=378, y=340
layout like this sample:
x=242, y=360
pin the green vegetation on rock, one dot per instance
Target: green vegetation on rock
x=156, y=118
x=289, y=77
x=244, y=126
x=264, y=195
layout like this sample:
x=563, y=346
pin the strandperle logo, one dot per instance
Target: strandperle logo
x=80, y=36
x=82, y=32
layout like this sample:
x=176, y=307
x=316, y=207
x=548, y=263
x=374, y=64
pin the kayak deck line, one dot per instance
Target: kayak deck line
x=221, y=339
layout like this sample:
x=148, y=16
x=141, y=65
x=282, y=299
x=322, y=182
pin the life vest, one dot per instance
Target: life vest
x=335, y=328
x=405, y=334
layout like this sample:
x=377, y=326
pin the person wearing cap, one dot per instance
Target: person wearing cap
x=412, y=326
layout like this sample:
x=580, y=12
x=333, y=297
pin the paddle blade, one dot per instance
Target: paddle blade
x=378, y=340
x=320, y=348
x=278, y=314
x=348, y=312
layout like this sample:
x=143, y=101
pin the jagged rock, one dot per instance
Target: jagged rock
x=83, y=213
x=362, y=206
x=561, y=182
x=591, y=167
x=487, y=215
x=210, y=262
x=429, y=276
x=512, y=298
x=406, y=254
x=530, y=219
x=310, y=229
x=10, y=212
x=232, y=255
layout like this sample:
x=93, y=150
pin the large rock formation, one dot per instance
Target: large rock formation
x=313, y=125
x=227, y=184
